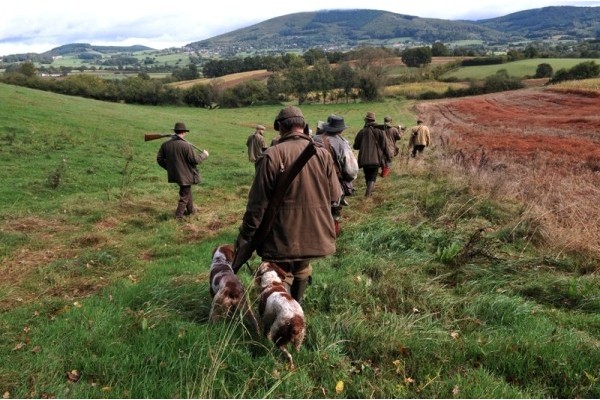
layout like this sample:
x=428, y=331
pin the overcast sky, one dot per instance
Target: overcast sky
x=41, y=25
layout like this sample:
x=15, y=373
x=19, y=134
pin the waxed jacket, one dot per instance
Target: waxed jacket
x=419, y=136
x=303, y=227
x=371, y=144
x=181, y=162
x=256, y=145
x=392, y=135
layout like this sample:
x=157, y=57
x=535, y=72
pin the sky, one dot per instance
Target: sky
x=40, y=25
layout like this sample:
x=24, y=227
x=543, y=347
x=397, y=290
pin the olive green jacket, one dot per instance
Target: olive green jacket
x=181, y=162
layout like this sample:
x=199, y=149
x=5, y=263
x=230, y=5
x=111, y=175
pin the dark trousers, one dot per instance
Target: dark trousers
x=371, y=173
x=186, y=203
x=418, y=148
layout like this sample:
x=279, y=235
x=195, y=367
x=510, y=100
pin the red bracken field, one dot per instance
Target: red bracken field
x=523, y=124
x=540, y=146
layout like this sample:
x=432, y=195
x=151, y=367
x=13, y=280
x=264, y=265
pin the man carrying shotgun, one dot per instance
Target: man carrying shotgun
x=177, y=156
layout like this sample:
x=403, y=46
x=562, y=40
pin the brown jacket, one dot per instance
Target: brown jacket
x=303, y=227
x=392, y=135
x=181, y=162
x=256, y=145
x=371, y=144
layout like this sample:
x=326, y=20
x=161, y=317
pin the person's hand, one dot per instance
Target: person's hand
x=205, y=152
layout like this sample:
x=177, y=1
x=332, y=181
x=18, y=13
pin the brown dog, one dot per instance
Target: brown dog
x=226, y=289
x=282, y=317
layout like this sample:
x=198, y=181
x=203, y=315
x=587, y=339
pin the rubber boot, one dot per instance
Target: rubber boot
x=298, y=288
x=370, y=187
x=180, y=211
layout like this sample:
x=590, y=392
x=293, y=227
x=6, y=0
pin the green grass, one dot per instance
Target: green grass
x=98, y=278
x=520, y=69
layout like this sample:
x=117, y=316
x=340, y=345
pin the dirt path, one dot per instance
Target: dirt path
x=522, y=124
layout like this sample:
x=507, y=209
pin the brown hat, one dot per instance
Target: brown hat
x=260, y=128
x=419, y=121
x=370, y=116
x=387, y=118
x=180, y=127
x=334, y=124
x=286, y=113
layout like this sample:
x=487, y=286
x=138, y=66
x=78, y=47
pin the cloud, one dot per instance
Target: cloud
x=40, y=25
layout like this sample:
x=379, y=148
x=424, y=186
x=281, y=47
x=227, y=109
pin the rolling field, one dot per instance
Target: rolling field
x=471, y=273
x=518, y=69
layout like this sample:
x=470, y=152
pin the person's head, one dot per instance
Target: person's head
x=335, y=124
x=260, y=129
x=370, y=117
x=387, y=119
x=180, y=128
x=419, y=121
x=289, y=118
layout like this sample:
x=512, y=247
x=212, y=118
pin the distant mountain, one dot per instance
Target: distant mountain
x=565, y=22
x=344, y=29
x=77, y=48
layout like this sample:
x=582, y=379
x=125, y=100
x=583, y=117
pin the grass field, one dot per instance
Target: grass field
x=520, y=69
x=436, y=289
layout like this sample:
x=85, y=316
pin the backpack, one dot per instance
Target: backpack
x=350, y=165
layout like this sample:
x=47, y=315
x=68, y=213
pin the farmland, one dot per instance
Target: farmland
x=520, y=69
x=471, y=273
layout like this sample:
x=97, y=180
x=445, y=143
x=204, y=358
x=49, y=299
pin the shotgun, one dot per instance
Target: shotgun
x=154, y=136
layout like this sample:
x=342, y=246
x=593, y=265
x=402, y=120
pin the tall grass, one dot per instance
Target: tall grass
x=445, y=283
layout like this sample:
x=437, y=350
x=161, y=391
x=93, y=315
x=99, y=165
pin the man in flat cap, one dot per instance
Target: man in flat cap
x=303, y=227
x=256, y=143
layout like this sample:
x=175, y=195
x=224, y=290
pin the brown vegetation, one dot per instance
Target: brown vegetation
x=539, y=146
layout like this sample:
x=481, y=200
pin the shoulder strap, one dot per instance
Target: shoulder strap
x=281, y=186
x=330, y=149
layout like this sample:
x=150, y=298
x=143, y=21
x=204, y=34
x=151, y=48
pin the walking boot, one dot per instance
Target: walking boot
x=370, y=187
x=298, y=288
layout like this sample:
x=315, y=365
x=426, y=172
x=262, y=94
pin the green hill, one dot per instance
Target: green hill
x=344, y=29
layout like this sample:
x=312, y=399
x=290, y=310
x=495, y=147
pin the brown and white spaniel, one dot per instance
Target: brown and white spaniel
x=281, y=316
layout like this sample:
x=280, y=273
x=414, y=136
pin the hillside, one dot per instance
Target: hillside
x=462, y=277
x=344, y=29
x=549, y=22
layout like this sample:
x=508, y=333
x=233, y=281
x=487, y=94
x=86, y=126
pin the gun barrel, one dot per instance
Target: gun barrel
x=154, y=136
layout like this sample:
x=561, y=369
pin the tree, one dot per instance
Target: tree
x=27, y=69
x=297, y=78
x=321, y=77
x=438, y=49
x=544, y=70
x=416, y=56
x=531, y=52
x=345, y=78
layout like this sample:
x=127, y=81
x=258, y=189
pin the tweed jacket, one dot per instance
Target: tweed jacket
x=303, y=227
x=256, y=145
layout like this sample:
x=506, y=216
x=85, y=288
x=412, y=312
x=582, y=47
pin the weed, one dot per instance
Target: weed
x=56, y=177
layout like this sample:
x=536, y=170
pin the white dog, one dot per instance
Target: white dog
x=282, y=317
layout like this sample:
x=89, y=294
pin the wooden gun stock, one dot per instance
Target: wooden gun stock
x=154, y=136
